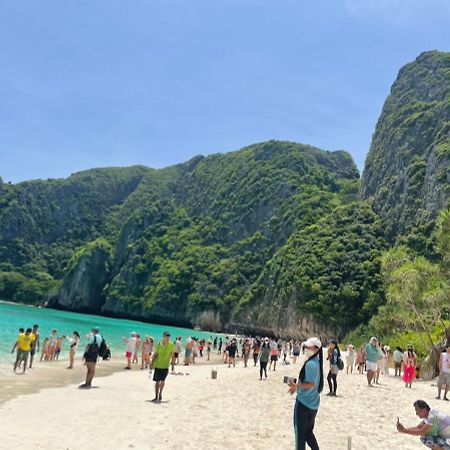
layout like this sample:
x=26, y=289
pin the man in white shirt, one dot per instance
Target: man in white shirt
x=131, y=348
x=398, y=359
x=433, y=429
x=444, y=372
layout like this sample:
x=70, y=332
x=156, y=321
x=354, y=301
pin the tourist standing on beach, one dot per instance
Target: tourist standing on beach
x=177, y=350
x=246, y=351
x=227, y=347
x=160, y=363
x=273, y=354
x=35, y=344
x=285, y=351
x=147, y=348
x=232, y=350
x=131, y=348
x=409, y=373
x=256, y=349
x=74, y=341
x=135, y=359
x=44, y=353
x=333, y=355
x=264, y=355
x=91, y=356
x=308, y=389
x=350, y=358
x=23, y=344
x=52, y=345
x=208, y=349
x=433, y=429
x=380, y=363
x=398, y=359
x=58, y=347
x=371, y=352
x=188, y=351
x=296, y=351
x=361, y=359
x=444, y=372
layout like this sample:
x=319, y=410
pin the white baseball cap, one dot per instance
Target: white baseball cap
x=313, y=342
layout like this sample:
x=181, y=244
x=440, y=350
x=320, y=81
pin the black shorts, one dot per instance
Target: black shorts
x=274, y=358
x=160, y=374
x=175, y=355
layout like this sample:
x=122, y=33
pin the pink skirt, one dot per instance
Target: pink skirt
x=409, y=374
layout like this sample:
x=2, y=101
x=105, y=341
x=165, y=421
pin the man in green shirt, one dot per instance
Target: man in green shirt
x=160, y=362
x=371, y=359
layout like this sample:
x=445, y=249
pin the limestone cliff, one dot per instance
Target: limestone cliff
x=406, y=175
x=84, y=284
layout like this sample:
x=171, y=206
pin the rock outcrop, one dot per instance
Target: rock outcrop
x=406, y=174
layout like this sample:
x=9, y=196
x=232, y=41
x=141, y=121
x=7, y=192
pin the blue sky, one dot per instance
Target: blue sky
x=92, y=83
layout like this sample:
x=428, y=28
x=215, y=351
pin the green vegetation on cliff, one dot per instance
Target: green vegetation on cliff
x=176, y=243
x=406, y=174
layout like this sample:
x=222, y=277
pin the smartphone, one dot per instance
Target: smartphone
x=289, y=380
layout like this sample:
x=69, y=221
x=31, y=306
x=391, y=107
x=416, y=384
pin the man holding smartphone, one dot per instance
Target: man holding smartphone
x=434, y=428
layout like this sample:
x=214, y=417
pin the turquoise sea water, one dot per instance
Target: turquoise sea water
x=14, y=316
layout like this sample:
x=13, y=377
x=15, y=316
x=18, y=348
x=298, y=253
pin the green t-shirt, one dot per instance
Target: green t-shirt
x=371, y=353
x=164, y=357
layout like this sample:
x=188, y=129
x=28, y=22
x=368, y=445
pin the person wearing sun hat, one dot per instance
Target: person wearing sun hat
x=308, y=389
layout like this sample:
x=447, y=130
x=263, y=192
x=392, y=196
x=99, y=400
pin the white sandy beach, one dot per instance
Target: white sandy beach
x=235, y=411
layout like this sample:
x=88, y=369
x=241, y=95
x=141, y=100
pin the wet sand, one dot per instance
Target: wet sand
x=50, y=374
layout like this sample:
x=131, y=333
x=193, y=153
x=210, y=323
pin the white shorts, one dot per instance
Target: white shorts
x=372, y=366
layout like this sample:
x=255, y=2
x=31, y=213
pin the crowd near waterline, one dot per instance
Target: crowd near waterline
x=311, y=359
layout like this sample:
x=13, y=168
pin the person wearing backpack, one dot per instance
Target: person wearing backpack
x=91, y=355
x=308, y=388
x=334, y=354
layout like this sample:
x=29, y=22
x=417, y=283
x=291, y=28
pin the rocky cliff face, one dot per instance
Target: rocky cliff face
x=195, y=240
x=83, y=287
x=406, y=175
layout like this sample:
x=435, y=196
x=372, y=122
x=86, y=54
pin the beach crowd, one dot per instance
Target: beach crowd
x=373, y=359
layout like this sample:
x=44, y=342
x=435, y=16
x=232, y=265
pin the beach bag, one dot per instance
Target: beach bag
x=340, y=363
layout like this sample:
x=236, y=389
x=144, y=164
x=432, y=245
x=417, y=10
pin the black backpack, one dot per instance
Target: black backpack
x=103, y=349
x=92, y=351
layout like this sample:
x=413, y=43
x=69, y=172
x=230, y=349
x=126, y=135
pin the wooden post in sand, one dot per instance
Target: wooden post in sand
x=349, y=443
